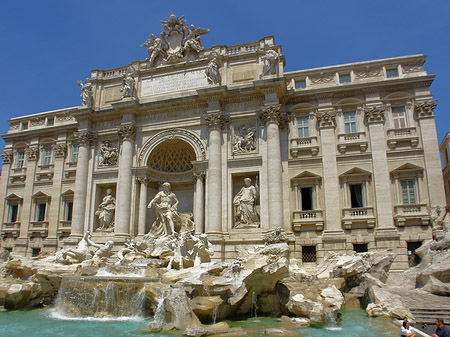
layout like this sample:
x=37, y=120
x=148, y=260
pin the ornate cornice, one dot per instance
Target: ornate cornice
x=32, y=153
x=375, y=114
x=60, y=150
x=84, y=138
x=326, y=119
x=7, y=157
x=425, y=109
x=127, y=132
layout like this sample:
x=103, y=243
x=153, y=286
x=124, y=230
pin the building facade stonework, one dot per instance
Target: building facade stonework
x=342, y=158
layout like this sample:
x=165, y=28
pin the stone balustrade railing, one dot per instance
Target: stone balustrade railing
x=360, y=212
x=309, y=144
x=242, y=48
x=310, y=217
x=11, y=228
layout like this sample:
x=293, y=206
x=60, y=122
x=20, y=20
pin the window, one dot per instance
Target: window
x=68, y=211
x=399, y=116
x=35, y=252
x=350, y=121
x=24, y=125
x=75, y=153
x=300, y=84
x=13, y=212
x=47, y=158
x=307, y=198
x=303, y=127
x=356, y=195
x=408, y=191
x=309, y=254
x=40, y=211
x=360, y=247
x=392, y=72
x=20, y=159
x=50, y=121
x=344, y=78
x=413, y=258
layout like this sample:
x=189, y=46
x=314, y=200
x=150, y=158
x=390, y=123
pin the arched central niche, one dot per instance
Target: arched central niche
x=172, y=156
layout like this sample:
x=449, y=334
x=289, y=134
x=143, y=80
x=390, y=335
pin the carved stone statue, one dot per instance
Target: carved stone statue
x=128, y=84
x=244, y=204
x=437, y=216
x=108, y=155
x=166, y=203
x=87, y=93
x=270, y=59
x=155, y=48
x=203, y=250
x=105, y=212
x=278, y=235
x=193, y=39
x=212, y=70
x=244, y=140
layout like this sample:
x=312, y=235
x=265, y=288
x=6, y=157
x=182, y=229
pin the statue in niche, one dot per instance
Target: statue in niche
x=105, y=212
x=155, y=48
x=128, y=84
x=108, y=155
x=87, y=93
x=244, y=140
x=212, y=70
x=270, y=59
x=244, y=205
x=166, y=203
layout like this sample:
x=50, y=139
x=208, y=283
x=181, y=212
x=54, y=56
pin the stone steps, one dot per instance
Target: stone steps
x=428, y=315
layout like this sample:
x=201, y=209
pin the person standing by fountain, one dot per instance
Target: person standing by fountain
x=166, y=203
x=407, y=330
x=441, y=329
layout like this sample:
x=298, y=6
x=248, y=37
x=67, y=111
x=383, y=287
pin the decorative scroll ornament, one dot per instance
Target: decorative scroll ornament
x=87, y=93
x=412, y=67
x=7, y=157
x=326, y=119
x=425, y=109
x=108, y=155
x=244, y=139
x=127, y=132
x=368, y=72
x=178, y=40
x=322, y=78
x=84, y=138
x=32, y=153
x=375, y=114
x=60, y=150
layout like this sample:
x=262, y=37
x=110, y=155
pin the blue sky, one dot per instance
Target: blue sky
x=46, y=46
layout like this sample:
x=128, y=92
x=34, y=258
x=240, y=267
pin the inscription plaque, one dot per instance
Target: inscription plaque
x=174, y=82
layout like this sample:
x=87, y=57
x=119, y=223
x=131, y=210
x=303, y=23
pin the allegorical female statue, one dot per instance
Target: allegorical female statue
x=244, y=204
x=105, y=212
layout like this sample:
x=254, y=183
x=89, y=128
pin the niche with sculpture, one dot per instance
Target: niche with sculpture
x=245, y=201
x=105, y=208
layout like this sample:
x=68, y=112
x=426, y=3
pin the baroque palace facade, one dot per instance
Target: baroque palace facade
x=342, y=158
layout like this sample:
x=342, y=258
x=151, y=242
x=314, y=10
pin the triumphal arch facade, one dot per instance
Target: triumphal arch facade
x=341, y=158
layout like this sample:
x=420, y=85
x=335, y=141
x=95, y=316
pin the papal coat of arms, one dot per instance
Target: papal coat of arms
x=178, y=41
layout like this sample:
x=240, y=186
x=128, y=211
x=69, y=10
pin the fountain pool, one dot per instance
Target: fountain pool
x=46, y=322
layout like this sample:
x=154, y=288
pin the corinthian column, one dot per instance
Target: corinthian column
x=81, y=181
x=199, y=202
x=271, y=115
x=214, y=179
x=123, y=208
x=142, y=204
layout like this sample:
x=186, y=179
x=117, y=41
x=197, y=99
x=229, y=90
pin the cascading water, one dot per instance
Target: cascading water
x=214, y=315
x=159, y=313
x=330, y=321
x=99, y=297
x=254, y=310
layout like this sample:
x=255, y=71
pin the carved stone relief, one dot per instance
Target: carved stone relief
x=109, y=155
x=244, y=139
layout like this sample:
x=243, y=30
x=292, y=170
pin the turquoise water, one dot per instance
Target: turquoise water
x=354, y=323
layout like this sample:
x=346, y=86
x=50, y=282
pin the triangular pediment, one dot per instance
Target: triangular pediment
x=69, y=192
x=356, y=171
x=307, y=175
x=40, y=195
x=407, y=168
x=13, y=196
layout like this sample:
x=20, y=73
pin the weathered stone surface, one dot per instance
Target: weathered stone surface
x=437, y=287
x=332, y=297
x=297, y=321
x=205, y=307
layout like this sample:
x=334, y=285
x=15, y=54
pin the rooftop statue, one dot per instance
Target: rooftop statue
x=178, y=38
x=87, y=93
x=129, y=84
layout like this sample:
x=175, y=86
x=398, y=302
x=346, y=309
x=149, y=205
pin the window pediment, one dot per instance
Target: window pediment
x=306, y=177
x=14, y=196
x=356, y=174
x=407, y=170
x=41, y=195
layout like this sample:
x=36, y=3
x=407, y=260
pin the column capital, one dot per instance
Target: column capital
x=143, y=180
x=32, y=153
x=199, y=175
x=375, y=114
x=84, y=138
x=271, y=114
x=326, y=119
x=216, y=120
x=127, y=132
x=60, y=150
x=7, y=157
x=425, y=109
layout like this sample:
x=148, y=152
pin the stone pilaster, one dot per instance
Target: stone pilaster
x=425, y=114
x=123, y=209
x=326, y=124
x=143, y=200
x=199, y=202
x=381, y=178
x=7, y=157
x=214, y=180
x=272, y=117
x=84, y=140
x=59, y=151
